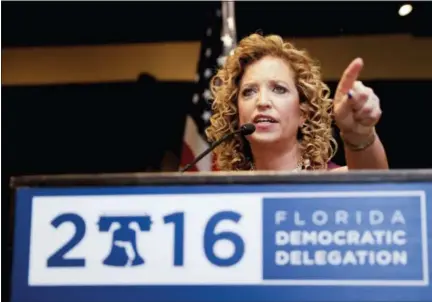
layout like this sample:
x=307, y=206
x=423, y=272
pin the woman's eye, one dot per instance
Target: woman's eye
x=280, y=89
x=247, y=92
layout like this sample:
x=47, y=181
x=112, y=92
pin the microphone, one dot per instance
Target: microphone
x=245, y=129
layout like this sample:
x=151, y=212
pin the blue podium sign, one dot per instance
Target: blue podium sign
x=197, y=242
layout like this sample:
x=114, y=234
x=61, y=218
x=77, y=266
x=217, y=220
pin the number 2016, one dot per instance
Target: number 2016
x=177, y=219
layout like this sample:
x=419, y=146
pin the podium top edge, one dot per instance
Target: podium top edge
x=202, y=178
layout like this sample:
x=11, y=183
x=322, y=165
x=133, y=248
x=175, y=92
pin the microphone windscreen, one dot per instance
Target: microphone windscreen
x=247, y=129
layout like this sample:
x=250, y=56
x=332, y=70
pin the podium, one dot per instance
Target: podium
x=223, y=237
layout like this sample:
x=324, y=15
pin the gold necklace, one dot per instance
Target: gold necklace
x=300, y=164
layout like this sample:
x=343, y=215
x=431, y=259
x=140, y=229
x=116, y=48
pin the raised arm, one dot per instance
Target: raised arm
x=357, y=111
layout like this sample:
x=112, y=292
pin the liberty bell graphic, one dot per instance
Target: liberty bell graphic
x=124, y=229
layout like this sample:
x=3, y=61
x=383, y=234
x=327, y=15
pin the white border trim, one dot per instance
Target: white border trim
x=292, y=282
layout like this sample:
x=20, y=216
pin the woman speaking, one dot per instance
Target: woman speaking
x=278, y=88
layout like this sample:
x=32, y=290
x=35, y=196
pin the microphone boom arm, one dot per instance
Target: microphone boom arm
x=245, y=129
x=212, y=146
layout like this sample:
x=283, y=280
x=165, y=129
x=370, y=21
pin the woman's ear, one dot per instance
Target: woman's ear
x=303, y=110
x=302, y=121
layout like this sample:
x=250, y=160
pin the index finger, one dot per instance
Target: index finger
x=349, y=76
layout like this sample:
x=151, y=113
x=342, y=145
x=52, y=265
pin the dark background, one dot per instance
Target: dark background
x=77, y=23
x=107, y=127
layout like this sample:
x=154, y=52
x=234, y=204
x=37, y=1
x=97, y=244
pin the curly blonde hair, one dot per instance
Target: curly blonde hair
x=316, y=107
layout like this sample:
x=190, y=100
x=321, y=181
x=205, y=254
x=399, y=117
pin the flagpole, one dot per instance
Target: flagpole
x=229, y=32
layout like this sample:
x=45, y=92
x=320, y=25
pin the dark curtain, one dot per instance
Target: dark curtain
x=127, y=127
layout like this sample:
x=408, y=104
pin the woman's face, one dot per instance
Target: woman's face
x=269, y=99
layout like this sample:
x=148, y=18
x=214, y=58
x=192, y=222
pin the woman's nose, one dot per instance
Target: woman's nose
x=263, y=101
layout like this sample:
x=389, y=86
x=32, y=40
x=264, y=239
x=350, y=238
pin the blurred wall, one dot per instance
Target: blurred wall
x=386, y=57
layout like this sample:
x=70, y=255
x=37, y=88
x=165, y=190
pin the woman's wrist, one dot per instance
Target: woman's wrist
x=358, y=142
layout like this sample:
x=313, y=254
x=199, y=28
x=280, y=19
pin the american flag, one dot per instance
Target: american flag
x=218, y=41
